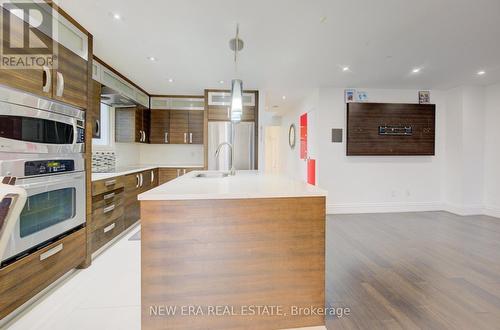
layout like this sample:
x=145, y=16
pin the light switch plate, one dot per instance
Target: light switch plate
x=337, y=135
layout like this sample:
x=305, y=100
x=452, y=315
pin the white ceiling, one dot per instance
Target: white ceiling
x=292, y=46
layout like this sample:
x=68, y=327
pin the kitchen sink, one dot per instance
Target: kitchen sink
x=212, y=175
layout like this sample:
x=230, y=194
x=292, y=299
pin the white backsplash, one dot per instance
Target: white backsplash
x=171, y=154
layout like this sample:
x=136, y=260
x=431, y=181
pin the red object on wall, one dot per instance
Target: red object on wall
x=311, y=171
x=303, y=136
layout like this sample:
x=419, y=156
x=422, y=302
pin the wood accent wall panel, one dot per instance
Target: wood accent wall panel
x=364, y=119
x=233, y=252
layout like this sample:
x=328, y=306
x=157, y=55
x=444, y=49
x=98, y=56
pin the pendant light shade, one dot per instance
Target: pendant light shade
x=236, y=100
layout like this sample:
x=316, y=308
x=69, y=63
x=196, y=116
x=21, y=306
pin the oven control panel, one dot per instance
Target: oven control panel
x=41, y=167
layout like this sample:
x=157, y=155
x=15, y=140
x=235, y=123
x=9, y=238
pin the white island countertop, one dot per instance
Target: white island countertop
x=245, y=184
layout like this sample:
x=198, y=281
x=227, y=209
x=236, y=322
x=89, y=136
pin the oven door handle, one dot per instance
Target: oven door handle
x=12, y=200
x=43, y=186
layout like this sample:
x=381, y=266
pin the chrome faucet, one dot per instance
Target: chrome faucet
x=217, y=152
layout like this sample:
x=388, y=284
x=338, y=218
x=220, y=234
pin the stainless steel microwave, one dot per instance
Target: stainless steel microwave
x=30, y=124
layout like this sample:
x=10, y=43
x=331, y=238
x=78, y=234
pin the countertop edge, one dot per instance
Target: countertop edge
x=104, y=176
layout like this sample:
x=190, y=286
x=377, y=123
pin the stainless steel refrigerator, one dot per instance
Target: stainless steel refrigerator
x=243, y=144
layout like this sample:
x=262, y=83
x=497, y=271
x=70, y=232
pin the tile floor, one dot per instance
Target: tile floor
x=106, y=296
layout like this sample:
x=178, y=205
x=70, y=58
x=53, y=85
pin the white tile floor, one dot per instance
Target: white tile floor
x=106, y=296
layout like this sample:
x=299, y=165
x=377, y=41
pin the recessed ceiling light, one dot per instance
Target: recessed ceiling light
x=117, y=16
x=346, y=68
x=416, y=70
x=221, y=81
x=283, y=97
x=170, y=80
x=152, y=58
x=481, y=73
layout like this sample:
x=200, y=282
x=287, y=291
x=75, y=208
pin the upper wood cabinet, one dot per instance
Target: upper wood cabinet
x=186, y=127
x=178, y=102
x=219, y=106
x=195, y=127
x=179, y=126
x=177, y=119
x=223, y=98
x=132, y=124
x=67, y=81
x=33, y=81
x=160, y=127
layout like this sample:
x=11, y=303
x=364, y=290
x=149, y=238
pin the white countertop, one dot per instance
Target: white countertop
x=245, y=184
x=124, y=170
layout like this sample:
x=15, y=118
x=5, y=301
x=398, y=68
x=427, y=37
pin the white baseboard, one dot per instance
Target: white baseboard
x=383, y=207
x=464, y=210
x=492, y=211
x=354, y=208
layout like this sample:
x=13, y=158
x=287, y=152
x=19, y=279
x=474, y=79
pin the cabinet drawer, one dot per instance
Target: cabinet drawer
x=23, y=279
x=106, y=234
x=108, y=185
x=107, y=198
x=103, y=216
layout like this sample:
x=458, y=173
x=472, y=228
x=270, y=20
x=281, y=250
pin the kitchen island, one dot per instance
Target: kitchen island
x=226, y=252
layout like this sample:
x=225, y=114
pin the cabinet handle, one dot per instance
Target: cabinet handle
x=166, y=137
x=152, y=176
x=109, y=183
x=110, y=227
x=47, y=79
x=97, y=127
x=109, y=196
x=108, y=209
x=142, y=179
x=190, y=137
x=51, y=252
x=60, y=84
x=228, y=113
x=138, y=181
x=185, y=137
x=178, y=172
x=144, y=136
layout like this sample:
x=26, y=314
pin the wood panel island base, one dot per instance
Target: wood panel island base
x=250, y=255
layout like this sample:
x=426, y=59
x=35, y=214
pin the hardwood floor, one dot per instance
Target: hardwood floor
x=431, y=270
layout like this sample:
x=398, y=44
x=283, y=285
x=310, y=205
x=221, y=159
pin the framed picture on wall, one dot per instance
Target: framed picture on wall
x=349, y=95
x=362, y=96
x=424, y=97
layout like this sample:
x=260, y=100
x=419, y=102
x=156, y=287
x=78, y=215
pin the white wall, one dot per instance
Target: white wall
x=465, y=150
x=463, y=177
x=492, y=151
x=291, y=164
x=373, y=184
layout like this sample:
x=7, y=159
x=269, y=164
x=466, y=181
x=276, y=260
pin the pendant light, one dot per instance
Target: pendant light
x=236, y=45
